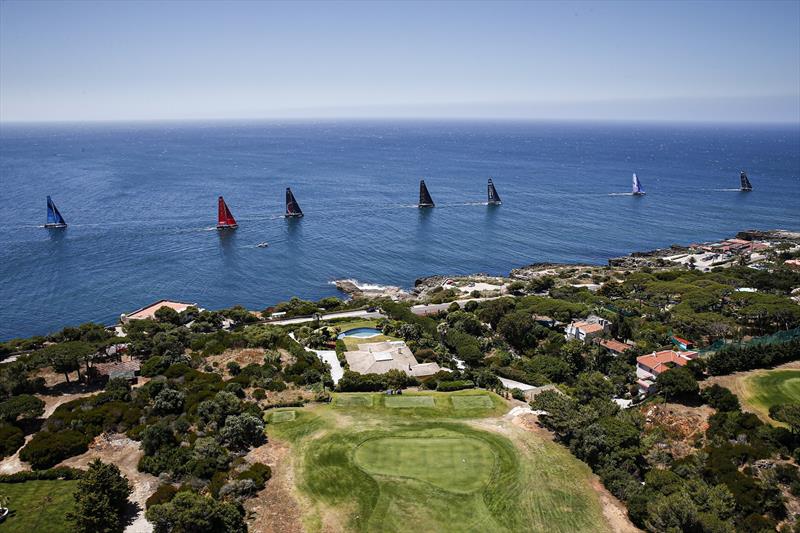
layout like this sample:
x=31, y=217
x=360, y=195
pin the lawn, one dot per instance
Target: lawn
x=764, y=389
x=38, y=506
x=367, y=466
x=282, y=416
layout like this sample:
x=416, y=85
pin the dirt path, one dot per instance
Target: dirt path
x=125, y=453
x=275, y=509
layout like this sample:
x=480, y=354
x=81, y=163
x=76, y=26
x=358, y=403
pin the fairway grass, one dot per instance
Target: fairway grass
x=365, y=465
x=772, y=387
x=405, y=402
x=38, y=506
x=472, y=402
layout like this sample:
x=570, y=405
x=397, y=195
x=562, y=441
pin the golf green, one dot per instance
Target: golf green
x=456, y=464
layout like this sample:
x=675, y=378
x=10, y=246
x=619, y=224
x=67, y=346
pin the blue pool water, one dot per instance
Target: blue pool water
x=141, y=203
x=361, y=333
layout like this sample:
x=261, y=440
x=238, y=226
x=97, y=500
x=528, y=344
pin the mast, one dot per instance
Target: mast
x=225, y=218
x=425, y=199
x=54, y=218
x=292, y=207
x=746, y=187
x=494, y=198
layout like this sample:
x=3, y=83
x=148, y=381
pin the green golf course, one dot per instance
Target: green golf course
x=767, y=388
x=432, y=462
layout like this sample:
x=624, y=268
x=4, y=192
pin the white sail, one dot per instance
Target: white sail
x=637, y=185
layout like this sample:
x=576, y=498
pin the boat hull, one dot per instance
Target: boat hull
x=638, y=193
x=293, y=215
x=227, y=226
x=743, y=189
x=55, y=226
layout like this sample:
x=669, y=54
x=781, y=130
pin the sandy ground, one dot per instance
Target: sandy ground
x=737, y=383
x=125, y=453
x=275, y=509
x=684, y=425
x=244, y=357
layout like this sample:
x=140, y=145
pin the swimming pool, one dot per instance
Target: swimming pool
x=361, y=333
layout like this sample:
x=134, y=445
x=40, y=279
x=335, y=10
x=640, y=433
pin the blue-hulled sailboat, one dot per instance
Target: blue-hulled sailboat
x=637, y=186
x=54, y=218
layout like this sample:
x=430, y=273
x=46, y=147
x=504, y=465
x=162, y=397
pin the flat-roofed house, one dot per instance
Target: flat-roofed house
x=650, y=366
x=380, y=357
x=588, y=329
x=150, y=310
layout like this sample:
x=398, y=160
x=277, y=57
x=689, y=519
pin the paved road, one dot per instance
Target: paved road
x=330, y=316
x=432, y=309
x=329, y=356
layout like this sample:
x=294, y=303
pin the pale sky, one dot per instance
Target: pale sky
x=709, y=61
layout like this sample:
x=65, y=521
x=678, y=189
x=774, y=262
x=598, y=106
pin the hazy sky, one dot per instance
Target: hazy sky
x=731, y=61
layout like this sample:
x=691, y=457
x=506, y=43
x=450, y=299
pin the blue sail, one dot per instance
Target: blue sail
x=54, y=217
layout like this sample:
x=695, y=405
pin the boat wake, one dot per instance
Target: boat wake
x=725, y=190
x=620, y=194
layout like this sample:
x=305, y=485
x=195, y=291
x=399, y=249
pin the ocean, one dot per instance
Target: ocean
x=140, y=200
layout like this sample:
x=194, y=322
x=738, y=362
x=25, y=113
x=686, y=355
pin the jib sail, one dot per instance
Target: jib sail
x=54, y=218
x=224, y=216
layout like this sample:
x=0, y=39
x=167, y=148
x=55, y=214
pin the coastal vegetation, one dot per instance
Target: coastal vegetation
x=216, y=387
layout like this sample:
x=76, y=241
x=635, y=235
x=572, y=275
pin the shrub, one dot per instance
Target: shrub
x=517, y=394
x=11, y=439
x=259, y=473
x=23, y=405
x=449, y=386
x=720, y=398
x=163, y=494
x=233, y=368
x=60, y=472
x=192, y=512
x=153, y=366
x=47, y=449
x=259, y=394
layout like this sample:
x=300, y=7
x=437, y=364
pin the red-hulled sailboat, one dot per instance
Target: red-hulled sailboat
x=225, y=219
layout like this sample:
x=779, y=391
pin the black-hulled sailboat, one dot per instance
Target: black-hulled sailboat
x=54, y=218
x=225, y=218
x=292, y=207
x=425, y=199
x=494, y=198
x=637, y=189
x=745, y=183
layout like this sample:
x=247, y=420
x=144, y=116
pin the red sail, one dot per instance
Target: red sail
x=224, y=217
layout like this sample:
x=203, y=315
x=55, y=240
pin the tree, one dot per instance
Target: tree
x=592, y=385
x=169, y=401
x=23, y=405
x=189, y=512
x=720, y=398
x=788, y=413
x=168, y=315
x=242, y=431
x=100, y=499
x=518, y=329
x=677, y=383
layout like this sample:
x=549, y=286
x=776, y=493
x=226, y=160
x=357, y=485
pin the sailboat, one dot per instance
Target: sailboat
x=54, y=218
x=225, y=219
x=637, y=186
x=494, y=198
x=745, y=187
x=425, y=199
x=292, y=207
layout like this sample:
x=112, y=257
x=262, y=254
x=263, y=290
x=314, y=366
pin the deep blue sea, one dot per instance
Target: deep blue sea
x=140, y=200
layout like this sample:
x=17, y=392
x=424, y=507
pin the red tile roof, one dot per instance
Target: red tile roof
x=662, y=361
x=615, y=345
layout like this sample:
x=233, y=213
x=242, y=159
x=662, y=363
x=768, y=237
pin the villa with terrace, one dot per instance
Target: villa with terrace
x=380, y=357
x=648, y=367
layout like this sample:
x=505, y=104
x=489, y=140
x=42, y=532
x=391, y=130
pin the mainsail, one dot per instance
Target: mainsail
x=425, y=199
x=54, y=218
x=637, y=185
x=745, y=182
x=494, y=198
x=224, y=216
x=292, y=207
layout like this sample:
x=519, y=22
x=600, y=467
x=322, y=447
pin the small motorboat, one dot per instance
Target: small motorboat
x=262, y=245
